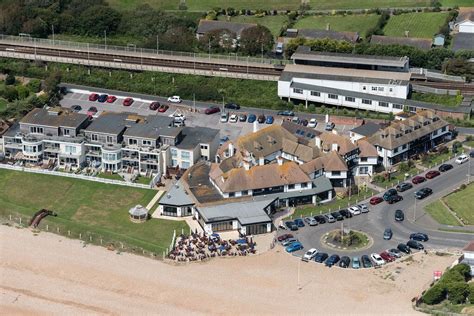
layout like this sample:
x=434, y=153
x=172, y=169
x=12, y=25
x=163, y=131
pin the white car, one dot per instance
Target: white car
x=363, y=208
x=178, y=116
x=312, y=123
x=233, y=118
x=354, y=210
x=462, y=159
x=377, y=259
x=174, y=99
x=309, y=255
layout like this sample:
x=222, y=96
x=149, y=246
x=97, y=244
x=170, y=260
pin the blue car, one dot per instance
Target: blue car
x=332, y=260
x=269, y=120
x=252, y=118
x=299, y=222
x=294, y=247
x=102, y=98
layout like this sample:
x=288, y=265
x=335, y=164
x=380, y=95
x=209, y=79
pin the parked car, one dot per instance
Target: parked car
x=394, y=199
x=338, y=216
x=284, y=237
x=163, y=108
x=294, y=247
x=404, y=248
x=127, y=101
x=286, y=113
x=320, y=219
x=289, y=241
x=174, y=99
x=404, y=186
x=154, y=106
x=418, y=180
x=386, y=256
x=377, y=259
x=422, y=193
x=93, y=97
x=415, y=245
x=92, y=111
x=462, y=159
x=304, y=122
x=311, y=221
x=261, y=119
x=387, y=234
x=330, y=126
x=242, y=117
x=366, y=263
x=312, y=123
x=445, y=167
x=395, y=253
x=296, y=120
x=399, y=216
x=111, y=99
x=375, y=200
x=355, y=263
x=213, y=109
x=432, y=174
x=224, y=117
x=329, y=218
x=299, y=222
x=291, y=225
x=345, y=262
x=232, y=106
x=252, y=118
x=269, y=120
x=345, y=213
x=102, y=98
x=309, y=255
x=389, y=193
x=321, y=257
x=76, y=108
x=363, y=208
x=354, y=210
x=471, y=153
x=419, y=237
x=332, y=260
x=233, y=118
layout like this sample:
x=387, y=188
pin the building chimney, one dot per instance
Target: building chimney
x=318, y=142
x=231, y=149
x=280, y=160
x=328, y=27
x=334, y=131
x=246, y=165
x=334, y=147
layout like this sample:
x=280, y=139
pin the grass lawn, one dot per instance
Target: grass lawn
x=350, y=23
x=3, y=104
x=111, y=176
x=440, y=214
x=273, y=22
x=204, y=5
x=460, y=3
x=143, y=180
x=434, y=159
x=116, y=40
x=446, y=100
x=396, y=177
x=424, y=25
x=462, y=204
x=86, y=207
x=469, y=143
x=333, y=205
x=366, y=4
x=132, y=4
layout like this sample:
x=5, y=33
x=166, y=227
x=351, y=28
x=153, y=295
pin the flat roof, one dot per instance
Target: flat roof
x=248, y=212
x=193, y=136
x=109, y=123
x=153, y=127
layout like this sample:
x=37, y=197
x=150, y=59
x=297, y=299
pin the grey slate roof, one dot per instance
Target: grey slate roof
x=320, y=185
x=340, y=36
x=110, y=123
x=248, y=212
x=207, y=26
x=153, y=127
x=367, y=129
x=421, y=43
x=176, y=196
x=54, y=117
x=463, y=41
x=193, y=136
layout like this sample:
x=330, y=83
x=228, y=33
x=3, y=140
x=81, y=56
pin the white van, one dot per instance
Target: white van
x=279, y=48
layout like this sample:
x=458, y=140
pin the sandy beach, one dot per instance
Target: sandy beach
x=50, y=274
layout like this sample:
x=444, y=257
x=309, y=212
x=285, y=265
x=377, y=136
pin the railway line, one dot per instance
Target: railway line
x=465, y=88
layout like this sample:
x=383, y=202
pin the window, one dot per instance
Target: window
x=204, y=147
x=315, y=93
x=146, y=142
x=185, y=154
x=231, y=194
x=404, y=146
x=443, y=129
x=67, y=132
x=391, y=89
x=395, y=150
x=291, y=186
x=185, y=165
x=383, y=104
x=298, y=91
x=397, y=106
x=365, y=101
x=380, y=88
x=174, y=152
x=94, y=137
x=245, y=192
x=363, y=170
x=350, y=99
x=174, y=162
x=70, y=149
x=304, y=185
x=110, y=156
x=110, y=139
x=336, y=173
x=363, y=159
x=132, y=141
x=333, y=96
x=364, y=88
x=36, y=130
x=374, y=88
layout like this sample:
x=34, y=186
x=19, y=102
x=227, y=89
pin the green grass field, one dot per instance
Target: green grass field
x=423, y=25
x=440, y=214
x=462, y=204
x=446, y=100
x=86, y=207
x=349, y=23
x=273, y=23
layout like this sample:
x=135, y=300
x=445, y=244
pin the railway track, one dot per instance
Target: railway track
x=465, y=88
x=146, y=60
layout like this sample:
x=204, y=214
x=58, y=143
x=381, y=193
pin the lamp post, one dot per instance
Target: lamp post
x=105, y=39
x=52, y=30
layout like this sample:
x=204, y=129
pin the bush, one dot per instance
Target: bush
x=403, y=167
x=463, y=269
x=443, y=149
x=10, y=79
x=34, y=85
x=434, y=295
x=457, y=292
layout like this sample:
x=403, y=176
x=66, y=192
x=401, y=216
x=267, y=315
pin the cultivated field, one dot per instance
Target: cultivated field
x=348, y=23
x=273, y=23
x=85, y=206
x=424, y=25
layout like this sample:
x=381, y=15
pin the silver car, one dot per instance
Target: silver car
x=289, y=241
x=363, y=208
x=329, y=218
x=310, y=221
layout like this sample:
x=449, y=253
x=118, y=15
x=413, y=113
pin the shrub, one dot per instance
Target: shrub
x=403, y=167
x=10, y=79
x=34, y=85
x=434, y=295
x=457, y=292
x=379, y=178
x=463, y=269
x=443, y=149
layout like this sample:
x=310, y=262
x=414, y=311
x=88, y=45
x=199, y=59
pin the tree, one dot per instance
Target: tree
x=178, y=38
x=97, y=19
x=51, y=84
x=10, y=79
x=436, y=294
x=23, y=92
x=218, y=40
x=255, y=39
x=457, y=292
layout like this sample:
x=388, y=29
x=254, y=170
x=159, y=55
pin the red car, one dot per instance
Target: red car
x=432, y=174
x=163, y=108
x=418, y=180
x=212, y=110
x=93, y=97
x=127, y=101
x=284, y=237
x=111, y=99
x=154, y=106
x=376, y=200
x=387, y=257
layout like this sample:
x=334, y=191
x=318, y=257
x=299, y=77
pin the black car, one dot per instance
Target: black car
x=76, y=108
x=102, y=98
x=415, y=245
x=338, y=216
x=321, y=257
x=394, y=199
x=345, y=213
x=261, y=119
x=471, y=154
x=286, y=113
x=366, y=263
x=389, y=193
x=345, y=261
x=232, y=106
x=399, y=215
x=387, y=234
x=404, y=248
x=291, y=225
x=332, y=260
x=422, y=193
x=404, y=186
x=320, y=219
x=445, y=167
x=419, y=237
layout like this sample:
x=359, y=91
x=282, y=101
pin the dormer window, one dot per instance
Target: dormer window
x=435, y=119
